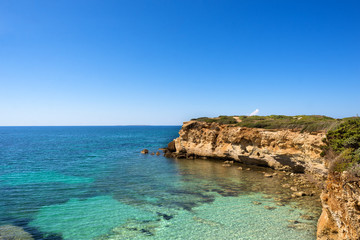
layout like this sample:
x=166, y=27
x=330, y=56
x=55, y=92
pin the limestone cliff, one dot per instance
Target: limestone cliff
x=340, y=217
x=279, y=149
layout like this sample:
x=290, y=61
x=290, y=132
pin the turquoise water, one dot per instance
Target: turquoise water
x=92, y=183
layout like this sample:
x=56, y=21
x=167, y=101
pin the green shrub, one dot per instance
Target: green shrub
x=204, y=119
x=305, y=123
x=344, y=140
x=226, y=120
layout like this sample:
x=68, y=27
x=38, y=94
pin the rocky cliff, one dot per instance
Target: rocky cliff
x=282, y=149
x=340, y=217
x=289, y=150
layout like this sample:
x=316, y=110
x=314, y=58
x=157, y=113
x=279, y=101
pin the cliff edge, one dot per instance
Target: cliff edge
x=282, y=149
x=289, y=149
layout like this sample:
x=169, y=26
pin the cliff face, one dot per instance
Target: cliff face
x=279, y=149
x=289, y=150
x=340, y=217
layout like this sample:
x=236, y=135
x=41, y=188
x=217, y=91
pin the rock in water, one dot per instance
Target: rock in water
x=171, y=146
x=145, y=151
x=10, y=232
x=300, y=194
x=269, y=208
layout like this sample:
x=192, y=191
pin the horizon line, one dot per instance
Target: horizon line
x=125, y=125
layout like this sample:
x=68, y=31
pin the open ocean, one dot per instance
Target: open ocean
x=83, y=183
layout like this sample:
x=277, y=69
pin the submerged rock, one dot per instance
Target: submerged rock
x=207, y=222
x=10, y=232
x=164, y=215
x=300, y=194
x=269, y=207
x=293, y=221
x=307, y=217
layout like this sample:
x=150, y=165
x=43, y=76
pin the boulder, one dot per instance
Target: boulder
x=300, y=194
x=145, y=151
x=157, y=153
x=171, y=146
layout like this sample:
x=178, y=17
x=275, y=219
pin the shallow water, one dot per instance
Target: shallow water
x=92, y=183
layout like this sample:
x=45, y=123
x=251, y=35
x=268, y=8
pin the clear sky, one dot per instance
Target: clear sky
x=163, y=62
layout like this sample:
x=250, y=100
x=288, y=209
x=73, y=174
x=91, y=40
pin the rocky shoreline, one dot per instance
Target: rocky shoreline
x=285, y=150
x=291, y=152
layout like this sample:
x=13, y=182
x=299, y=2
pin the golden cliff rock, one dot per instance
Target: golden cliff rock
x=282, y=149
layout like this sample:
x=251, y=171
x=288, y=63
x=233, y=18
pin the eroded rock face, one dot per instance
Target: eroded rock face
x=340, y=217
x=282, y=150
x=279, y=149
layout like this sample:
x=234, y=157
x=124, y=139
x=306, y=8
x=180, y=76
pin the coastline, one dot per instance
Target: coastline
x=262, y=147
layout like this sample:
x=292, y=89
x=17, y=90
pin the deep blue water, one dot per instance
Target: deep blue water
x=93, y=183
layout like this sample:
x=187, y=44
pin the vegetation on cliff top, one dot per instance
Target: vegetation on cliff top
x=342, y=142
x=343, y=146
x=307, y=123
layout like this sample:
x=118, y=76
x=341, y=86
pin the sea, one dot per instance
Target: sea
x=80, y=183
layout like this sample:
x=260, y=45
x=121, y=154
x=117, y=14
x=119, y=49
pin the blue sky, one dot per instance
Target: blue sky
x=163, y=62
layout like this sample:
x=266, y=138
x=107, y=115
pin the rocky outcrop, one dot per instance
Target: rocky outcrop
x=289, y=150
x=281, y=149
x=144, y=151
x=340, y=217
